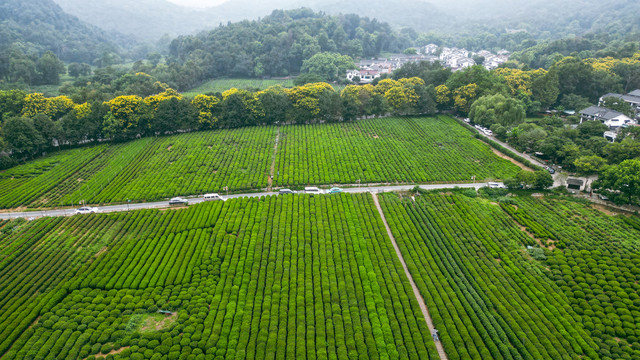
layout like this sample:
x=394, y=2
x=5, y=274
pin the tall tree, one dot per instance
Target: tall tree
x=21, y=136
x=49, y=68
x=624, y=177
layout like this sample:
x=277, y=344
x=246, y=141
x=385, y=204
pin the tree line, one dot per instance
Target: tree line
x=33, y=123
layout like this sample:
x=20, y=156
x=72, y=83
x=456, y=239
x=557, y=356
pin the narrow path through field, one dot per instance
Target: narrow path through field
x=416, y=292
x=273, y=161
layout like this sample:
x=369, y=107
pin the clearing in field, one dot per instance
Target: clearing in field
x=390, y=150
x=222, y=85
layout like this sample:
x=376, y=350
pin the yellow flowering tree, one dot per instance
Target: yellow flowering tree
x=464, y=96
x=55, y=107
x=126, y=117
x=443, y=96
x=305, y=101
x=207, y=107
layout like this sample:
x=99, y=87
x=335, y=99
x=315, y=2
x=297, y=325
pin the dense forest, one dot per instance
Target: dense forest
x=278, y=44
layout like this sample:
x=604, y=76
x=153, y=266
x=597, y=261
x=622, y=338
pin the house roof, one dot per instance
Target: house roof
x=577, y=182
x=600, y=112
x=627, y=98
x=635, y=93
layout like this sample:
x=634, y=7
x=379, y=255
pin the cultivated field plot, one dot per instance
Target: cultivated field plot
x=415, y=150
x=291, y=277
x=222, y=85
x=393, y=150
x=487, y=297
x=595, y=259
x=146, y=169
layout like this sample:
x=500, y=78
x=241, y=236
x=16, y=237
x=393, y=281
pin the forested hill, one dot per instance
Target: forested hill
x=33, y=27
x=151, y=19
x=278, y=44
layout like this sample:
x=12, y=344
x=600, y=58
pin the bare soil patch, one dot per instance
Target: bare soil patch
x=515, y=162
x=170, y=147
x=158, y=321
x=604, y=209
x=112, y=352
x=102, y=251
x=34, y=322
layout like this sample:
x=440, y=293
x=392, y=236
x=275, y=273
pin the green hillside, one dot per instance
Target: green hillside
x=36, y=26
x=389, y=150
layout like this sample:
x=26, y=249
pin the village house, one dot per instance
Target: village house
x=454, y=58
x=429, y=49
x=366, y=76
x=611, y=118
x=633, y=99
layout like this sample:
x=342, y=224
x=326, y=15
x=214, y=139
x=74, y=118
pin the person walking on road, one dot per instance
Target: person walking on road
x=435, y=335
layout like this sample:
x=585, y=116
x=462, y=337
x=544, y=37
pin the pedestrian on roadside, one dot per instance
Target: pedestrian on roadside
x=435, y=335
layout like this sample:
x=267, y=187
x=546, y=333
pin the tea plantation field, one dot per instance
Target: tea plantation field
x=594, y=259
x=290, y=277
x=317, y=277
x=488, y=297
x=390, y=150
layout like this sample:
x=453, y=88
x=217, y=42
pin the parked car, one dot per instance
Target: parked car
x=334, y=190
x=286, y=191
x=487, y=132
x=178, y=201
x=312, y=190
x=478, y=127
x=467, y=120
x=212, y=197
x=602, y=197
x=86, y=210
x=551, y=170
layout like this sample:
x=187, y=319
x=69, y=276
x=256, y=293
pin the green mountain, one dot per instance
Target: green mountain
x=36, y=26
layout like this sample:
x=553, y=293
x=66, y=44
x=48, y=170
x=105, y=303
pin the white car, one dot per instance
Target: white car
x=487, y=132
x=312, y=190
x=178, y=201
x=495, y=185
x=212, y=197
x=86, y=210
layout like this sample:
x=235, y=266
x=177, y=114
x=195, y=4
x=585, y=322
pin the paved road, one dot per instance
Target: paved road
x=196, y=200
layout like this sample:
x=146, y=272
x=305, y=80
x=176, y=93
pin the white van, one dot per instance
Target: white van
x=312, y=190
x=212, y=197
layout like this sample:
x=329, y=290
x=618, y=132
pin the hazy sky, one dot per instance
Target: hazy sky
x=198, y=3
